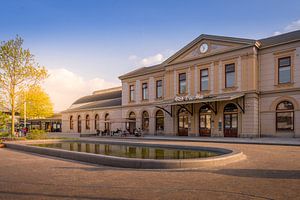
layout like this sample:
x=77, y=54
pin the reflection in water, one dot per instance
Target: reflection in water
x=71, y=146
x=106, y=149
x=130, y=151
x=145, y=153
x=87, y=148
x=159, y=154
x=97, y=148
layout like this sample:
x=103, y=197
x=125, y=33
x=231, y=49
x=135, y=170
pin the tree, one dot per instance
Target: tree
x=3, y=120
x=18, y=71
x=38, y=103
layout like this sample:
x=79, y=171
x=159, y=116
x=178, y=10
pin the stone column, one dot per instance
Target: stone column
x=250, y=118
x=211, y=78
x=220, y=77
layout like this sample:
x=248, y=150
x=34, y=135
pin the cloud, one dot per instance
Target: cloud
x=64, y=87
x=147, y=61
x=295, y=25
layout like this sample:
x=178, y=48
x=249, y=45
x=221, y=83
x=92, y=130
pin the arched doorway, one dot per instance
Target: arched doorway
x=87, y=122
x=205, y=121
x=79, y=124
x=71, y=122
x=183, y=122
x=106, y=123
x=132, y=122
x=159, y=121
x=97, y=127
x=230, y=120
x=145, y=121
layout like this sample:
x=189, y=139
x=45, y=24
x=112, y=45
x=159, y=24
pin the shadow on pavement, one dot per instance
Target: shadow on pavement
x=56, y=196
x=260, y=173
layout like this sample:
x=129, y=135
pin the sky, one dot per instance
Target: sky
x=87, y=44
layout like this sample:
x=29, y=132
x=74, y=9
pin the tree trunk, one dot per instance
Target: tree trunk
x=12, y=116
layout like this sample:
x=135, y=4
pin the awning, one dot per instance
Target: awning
x=185, y=100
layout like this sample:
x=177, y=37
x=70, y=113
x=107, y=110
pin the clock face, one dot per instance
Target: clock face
x=203, y=48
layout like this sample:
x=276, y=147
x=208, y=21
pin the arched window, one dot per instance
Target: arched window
x=231, y=107
x=285, y=116
x=145, y=121
x=71, y=122
x=97, y=122
x=87, y=122
x=132, y=115
x=79, y=123
x=159, y=120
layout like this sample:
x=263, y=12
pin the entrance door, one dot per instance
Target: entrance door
x=205, y=121
x=230, y=121
x=132, y=123
x=132, y=127
x=183, y=123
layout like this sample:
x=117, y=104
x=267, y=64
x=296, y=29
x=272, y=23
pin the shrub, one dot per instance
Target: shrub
x=36, y=135
x=4, y=134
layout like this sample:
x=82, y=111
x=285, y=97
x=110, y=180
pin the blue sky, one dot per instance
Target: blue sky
x=99, y=40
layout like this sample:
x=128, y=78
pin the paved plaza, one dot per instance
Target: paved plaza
x=269, y=172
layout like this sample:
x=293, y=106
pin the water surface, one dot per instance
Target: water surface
x=128, y=151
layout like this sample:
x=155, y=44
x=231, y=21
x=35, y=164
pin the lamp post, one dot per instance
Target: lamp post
x=25, y=114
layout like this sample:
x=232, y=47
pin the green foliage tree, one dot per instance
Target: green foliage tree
x=3, y=120
x=38, y=103
x=18, y=71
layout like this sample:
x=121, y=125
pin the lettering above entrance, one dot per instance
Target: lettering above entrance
x=187, y=98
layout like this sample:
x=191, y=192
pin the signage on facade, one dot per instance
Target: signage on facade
x=188, y=98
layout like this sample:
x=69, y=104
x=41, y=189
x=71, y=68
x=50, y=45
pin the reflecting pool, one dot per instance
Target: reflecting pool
x=129, y=151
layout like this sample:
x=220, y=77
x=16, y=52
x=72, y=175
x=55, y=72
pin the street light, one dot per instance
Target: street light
x=25, y=115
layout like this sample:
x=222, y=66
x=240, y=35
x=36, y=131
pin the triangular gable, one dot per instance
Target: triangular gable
x=215, y=44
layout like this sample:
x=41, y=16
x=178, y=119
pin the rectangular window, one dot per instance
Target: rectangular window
x=131, y=93
x=229, y=75
x=182, y=83
x=159, y=89
x=204, y=79
x=284, y=70
x=145, y=91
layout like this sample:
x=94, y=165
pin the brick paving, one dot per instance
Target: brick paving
x=269, y=172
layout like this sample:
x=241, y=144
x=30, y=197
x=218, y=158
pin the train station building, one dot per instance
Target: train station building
x=215, y=86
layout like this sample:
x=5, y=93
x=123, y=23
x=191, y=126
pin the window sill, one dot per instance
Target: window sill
x=204, y=92
x=182, y=94
x=284, y=131
x=228, y=89
x=284, y=85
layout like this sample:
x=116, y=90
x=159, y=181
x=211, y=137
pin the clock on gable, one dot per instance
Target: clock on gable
x=203, y=48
